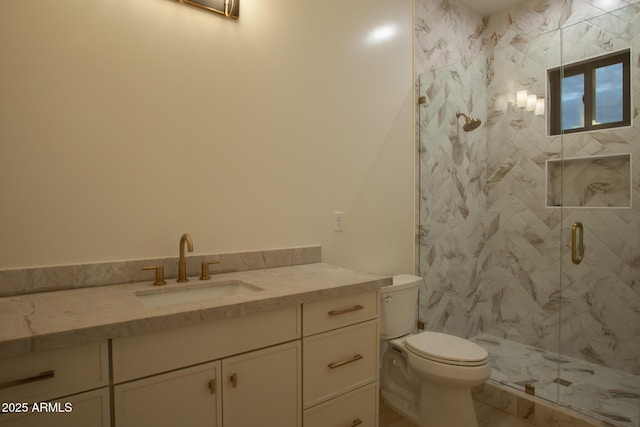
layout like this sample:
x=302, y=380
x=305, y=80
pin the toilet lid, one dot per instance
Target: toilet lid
x=446, y=349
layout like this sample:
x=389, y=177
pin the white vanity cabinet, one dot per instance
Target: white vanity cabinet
x=314, y=364
x=340, y=364
x=218, y=373
x=63, y=387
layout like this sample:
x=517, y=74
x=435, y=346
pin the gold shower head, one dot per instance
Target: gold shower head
x=470, y=124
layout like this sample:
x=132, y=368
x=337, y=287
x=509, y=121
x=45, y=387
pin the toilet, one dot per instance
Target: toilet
x=426, y=377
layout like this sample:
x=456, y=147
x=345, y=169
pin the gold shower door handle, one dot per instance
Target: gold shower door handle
x=577, y=243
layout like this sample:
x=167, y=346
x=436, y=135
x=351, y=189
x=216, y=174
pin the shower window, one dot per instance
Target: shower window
x=590, y=95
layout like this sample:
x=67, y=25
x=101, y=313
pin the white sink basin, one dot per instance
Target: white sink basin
x=195, y=292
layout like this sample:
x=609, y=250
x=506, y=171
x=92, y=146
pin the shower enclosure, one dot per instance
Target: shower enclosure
x=500, y=206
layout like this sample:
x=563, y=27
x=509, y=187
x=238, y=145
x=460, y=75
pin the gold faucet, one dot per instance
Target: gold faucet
x=182, y=263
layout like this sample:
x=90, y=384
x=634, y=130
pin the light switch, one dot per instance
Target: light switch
x=338, y=221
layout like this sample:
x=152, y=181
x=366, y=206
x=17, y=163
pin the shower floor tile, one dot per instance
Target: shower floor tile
x=598, y=391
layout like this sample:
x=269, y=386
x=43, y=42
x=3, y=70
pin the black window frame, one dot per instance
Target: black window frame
x=588, y=68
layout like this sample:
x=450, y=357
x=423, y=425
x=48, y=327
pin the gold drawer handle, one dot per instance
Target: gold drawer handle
x=346, y=310
x=212, y=386
x=41, y=376
x=345, y=362
x=356, y=422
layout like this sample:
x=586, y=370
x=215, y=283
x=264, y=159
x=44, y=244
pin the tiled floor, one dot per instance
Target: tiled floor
x=604, y=393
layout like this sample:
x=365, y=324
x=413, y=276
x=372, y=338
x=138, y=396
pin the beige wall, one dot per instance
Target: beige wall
x=125, y=123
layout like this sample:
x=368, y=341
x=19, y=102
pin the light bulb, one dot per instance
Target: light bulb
x=540, y=107
x=521, y=98
x=531, y=102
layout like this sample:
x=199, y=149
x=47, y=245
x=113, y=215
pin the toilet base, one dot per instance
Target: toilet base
x=397, y=386
x=446, y=406
x=430, y=393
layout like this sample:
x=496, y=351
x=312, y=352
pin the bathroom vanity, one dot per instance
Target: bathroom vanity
x=303, y=350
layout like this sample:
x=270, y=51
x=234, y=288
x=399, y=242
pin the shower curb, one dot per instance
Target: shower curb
x=532, y=409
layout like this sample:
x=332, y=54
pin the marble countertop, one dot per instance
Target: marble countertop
x=49, y=320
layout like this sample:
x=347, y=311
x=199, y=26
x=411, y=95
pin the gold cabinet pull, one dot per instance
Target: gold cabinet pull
x=356, y=422
x=40, y=377
x=577, y=243
x=346, y=310
x=335, y=365
x=212, y=386
x=234, y=380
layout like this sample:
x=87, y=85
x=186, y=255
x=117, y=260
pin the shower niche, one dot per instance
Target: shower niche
x=589, y=182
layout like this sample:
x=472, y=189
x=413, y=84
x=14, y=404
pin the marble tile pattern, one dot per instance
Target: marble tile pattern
x=49, y=320
x=505, y=406
x=595, y=181
x=452, y=189
x=495, y=259
x=499, y=406
x=604, y=393
x=44, y=279
x=447, y=31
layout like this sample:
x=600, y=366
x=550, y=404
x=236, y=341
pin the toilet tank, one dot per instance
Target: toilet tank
x=399, y=306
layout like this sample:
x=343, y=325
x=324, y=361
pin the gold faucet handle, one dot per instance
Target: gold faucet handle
x=204, y=275
x=159, y=274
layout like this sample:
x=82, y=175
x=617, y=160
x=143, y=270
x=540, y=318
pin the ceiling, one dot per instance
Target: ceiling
x=489, y=7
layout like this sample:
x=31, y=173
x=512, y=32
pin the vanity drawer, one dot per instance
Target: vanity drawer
x=91, y=408
x=142, y=355
x=55, y=373
x=356, y=408
x=338, y=361
x=335, y=313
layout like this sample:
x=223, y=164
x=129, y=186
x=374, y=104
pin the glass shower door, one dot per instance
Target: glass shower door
x=489, y=242
x=599, y=341
x=519, y=264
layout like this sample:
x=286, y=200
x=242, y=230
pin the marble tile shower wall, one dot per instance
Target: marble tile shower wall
x=453, y=196
x=489, y=247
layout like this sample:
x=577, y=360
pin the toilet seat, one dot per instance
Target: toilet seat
x=444, y=348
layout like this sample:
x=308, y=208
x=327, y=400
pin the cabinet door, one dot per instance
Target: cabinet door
x=186, y=397
x=263, y=388
x=80, y=410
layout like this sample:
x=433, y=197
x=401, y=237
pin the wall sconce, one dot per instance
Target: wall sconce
x=521, y=98
x=539, y=107
x=531, y=102
x=228, y=8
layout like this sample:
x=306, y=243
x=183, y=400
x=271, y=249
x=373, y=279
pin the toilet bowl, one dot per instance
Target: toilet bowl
x=426, y=377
